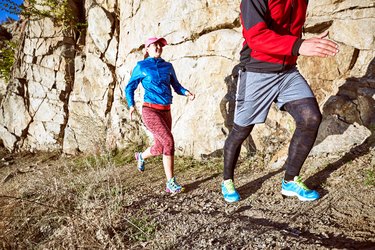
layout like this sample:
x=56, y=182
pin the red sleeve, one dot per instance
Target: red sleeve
x=255, y=18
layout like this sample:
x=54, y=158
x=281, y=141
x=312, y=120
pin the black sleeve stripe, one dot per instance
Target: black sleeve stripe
x=253, y=12
x=296, y=46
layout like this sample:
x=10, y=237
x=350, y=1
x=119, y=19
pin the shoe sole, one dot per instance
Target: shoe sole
x=291, y=194
x=231, y=201
x=174, y=192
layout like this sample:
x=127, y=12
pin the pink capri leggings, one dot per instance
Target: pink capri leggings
x=159, y=123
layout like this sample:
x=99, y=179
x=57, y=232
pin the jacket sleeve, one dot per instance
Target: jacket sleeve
x=257, y=33
x=132, y=85
x=176, y=84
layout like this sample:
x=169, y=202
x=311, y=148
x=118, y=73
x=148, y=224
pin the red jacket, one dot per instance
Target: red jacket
x=272, y=30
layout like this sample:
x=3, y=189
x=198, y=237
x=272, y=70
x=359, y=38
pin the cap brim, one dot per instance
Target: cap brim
x=162, y=41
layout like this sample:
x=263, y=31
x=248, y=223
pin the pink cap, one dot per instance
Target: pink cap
x=154, y=40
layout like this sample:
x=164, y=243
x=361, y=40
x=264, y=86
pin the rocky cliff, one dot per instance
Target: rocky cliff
x=67, y=90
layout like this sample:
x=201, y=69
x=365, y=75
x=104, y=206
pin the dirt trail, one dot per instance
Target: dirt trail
x=344, y=218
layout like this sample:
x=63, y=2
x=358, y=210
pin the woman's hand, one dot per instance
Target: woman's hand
x=131, y=111
x=190, y=95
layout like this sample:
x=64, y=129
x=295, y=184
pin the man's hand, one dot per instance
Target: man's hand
x=318, y=46
x=131, y=111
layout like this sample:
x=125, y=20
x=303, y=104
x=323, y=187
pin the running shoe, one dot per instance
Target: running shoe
x=229, y=191
x=173, y=186
x=299, y=189
x=140, y=162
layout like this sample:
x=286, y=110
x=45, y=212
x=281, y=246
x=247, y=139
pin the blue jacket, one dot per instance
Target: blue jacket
x=157, y=76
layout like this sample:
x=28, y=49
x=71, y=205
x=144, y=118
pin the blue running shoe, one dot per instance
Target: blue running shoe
x=140, y=162
x=229, y=191
x=299, y=189
x=173, y=186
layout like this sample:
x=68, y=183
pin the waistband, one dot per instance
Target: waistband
x=265, y=69
x=157, y=106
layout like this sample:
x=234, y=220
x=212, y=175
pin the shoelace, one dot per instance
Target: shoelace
x=229, y=186
x=173, y=184
x=299, y=182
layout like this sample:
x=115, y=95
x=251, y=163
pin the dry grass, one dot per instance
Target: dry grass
x=74, y=203
x=49, y=201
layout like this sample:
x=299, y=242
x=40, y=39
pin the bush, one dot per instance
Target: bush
x=58, y=10
x=7, y=57
x=370, y=177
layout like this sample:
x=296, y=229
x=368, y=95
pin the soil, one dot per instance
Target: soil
x=199, y=218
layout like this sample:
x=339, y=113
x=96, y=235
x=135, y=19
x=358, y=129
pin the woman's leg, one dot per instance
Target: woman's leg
x=147, y=153
x=168, y=163
x=150, y=118
x=168, y=149
x=155, y=122
x=159, y=123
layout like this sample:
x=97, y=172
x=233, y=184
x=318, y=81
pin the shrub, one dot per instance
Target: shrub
x=370, y=177
x=7, y=57
x=58, y=10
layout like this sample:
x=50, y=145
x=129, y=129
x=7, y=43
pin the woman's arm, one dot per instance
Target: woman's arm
x=176, y=84
x=130, y=88
x=132, y=85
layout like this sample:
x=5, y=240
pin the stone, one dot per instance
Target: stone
x=353, y=136
x=68, y=85
x=100, y=27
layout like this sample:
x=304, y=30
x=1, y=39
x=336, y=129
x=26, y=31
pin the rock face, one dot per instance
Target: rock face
x=67, y=90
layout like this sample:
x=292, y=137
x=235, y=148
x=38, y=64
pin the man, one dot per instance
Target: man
x=272, y=30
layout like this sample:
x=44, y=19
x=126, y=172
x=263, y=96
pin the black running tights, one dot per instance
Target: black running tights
x=307, y=118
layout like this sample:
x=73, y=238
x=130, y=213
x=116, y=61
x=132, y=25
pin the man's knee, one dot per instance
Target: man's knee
x=305, y=112
x=238, y=135
x=316, y=119
x=310, y=121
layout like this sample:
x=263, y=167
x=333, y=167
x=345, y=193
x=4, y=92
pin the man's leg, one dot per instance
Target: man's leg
x=307, y=117
x=254, y=96
x=232, y=148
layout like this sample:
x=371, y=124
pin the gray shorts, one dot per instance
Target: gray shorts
x=257, y=91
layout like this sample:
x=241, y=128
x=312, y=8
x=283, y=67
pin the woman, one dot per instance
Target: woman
x=157, y=76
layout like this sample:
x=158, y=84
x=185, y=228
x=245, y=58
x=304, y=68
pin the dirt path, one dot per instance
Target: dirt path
x=344, y=218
